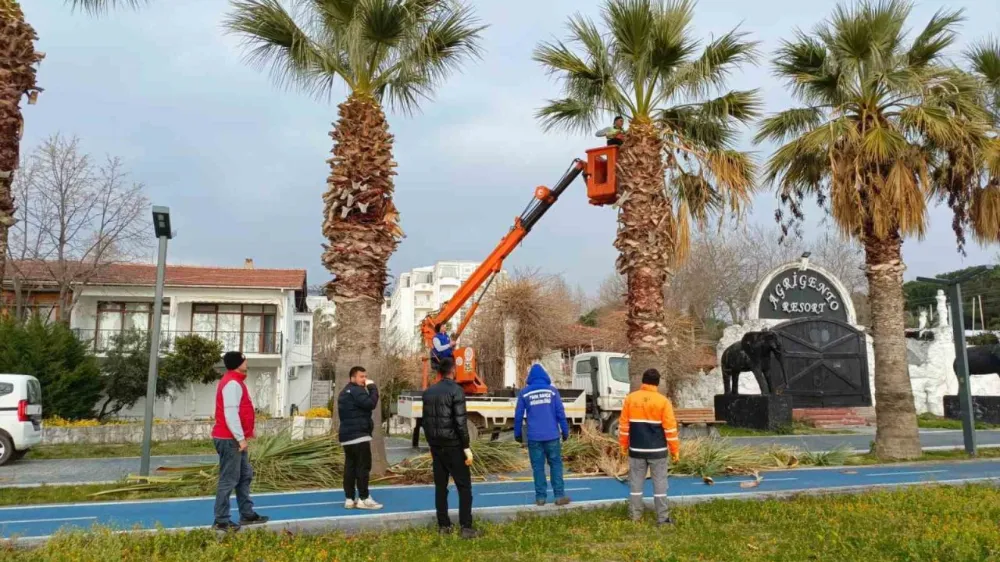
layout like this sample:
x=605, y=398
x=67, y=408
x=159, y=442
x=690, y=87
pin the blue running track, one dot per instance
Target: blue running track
x=34, y=522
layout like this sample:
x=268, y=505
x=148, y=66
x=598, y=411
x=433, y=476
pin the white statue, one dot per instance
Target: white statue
x=942, y=310
x=922, y=326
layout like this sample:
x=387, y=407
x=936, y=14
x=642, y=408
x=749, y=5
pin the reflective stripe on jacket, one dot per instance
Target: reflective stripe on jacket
x=647, y=425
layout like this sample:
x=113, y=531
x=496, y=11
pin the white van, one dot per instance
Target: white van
x=20, y=416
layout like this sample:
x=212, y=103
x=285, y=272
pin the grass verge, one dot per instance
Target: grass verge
x=932, y=523
x=796, y=428
x=930, y=421
x=111, y=450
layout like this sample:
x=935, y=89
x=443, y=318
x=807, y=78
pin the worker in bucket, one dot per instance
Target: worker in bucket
x=443, y=347
x=540, y=402
x=647, y=429
x=616, y=133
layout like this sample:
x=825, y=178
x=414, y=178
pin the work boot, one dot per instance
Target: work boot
x=469, y=533
x=562, y=501
x=228, y=526
x=445, y=531
x=668, y=522
x=256, y=519
x=540, y=502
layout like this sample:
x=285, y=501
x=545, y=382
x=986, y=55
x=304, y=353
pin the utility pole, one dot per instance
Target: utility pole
x=954, y=291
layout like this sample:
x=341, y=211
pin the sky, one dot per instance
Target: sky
x=241, y=162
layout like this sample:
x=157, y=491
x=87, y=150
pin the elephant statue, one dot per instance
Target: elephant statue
x=752, y=353
x=983, y=360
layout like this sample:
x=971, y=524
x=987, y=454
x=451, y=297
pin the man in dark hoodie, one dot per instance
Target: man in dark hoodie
x=540, y=402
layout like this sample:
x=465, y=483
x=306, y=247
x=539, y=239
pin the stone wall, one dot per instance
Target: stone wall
x=171, y=431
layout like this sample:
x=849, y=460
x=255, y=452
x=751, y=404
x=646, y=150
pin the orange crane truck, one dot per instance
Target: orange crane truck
x=494, y=411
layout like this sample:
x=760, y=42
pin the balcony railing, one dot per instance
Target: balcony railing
x=262, y=343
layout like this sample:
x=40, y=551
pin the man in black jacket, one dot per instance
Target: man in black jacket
x=444, y=422
x=355, y=405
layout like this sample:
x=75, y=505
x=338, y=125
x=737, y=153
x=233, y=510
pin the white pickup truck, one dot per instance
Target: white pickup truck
x=492, y=413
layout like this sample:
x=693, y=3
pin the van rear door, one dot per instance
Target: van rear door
x=35, y=402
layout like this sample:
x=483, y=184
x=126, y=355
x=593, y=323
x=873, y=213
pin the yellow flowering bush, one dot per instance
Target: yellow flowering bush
x=320, y=412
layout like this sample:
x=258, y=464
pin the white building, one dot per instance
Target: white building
x=419, y=292
x=261, y=312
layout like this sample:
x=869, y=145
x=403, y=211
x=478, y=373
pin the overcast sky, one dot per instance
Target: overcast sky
x=241, y=163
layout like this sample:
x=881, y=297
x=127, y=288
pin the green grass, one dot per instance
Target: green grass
x=796, y=428
x=929, y=523
x=108, y=450
x=79, y=494
x=930, y=456
x=930, y=421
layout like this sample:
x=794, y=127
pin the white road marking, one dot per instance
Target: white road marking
x=293, y=505
x=526, y=492
x=906, y=473
x=762, y=480
x=46, y=520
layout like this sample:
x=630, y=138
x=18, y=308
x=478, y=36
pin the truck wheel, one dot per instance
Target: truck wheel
x=611, y=427
x=6, y=449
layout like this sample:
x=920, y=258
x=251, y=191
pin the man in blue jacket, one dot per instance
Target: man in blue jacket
x=540, y=402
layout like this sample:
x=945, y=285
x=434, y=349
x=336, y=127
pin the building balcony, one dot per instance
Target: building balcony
x=251, y=343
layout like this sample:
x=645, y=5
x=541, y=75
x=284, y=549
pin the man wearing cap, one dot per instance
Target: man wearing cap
x=234, y=424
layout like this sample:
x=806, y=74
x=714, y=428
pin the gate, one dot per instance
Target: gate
x=825, y=364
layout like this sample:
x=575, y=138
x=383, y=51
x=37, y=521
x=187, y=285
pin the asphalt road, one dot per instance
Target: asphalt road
x=74, y=471
x=324, y=509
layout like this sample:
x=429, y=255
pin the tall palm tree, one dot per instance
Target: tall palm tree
x=677, y=163
x=391, y=52
x=877, y=113
x=17, y=79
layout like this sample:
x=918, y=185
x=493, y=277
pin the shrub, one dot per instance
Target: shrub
x=69, y=374
x=983, y=339
x=319, y=412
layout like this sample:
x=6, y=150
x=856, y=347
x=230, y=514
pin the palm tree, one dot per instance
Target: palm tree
x=645, y=65
x=385, y=52
x=17, y=79
x=878, y=113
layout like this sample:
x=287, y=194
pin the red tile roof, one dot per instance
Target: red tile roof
x=176, y=275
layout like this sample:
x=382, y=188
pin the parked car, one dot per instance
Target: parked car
x=20, y=416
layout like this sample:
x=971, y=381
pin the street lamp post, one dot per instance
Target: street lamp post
x=161, y=227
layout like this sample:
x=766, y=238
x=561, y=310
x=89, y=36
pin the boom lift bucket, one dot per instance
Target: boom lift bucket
x=602, y=186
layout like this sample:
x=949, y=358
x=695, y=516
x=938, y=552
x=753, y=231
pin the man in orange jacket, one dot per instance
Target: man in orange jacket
x=647, y=428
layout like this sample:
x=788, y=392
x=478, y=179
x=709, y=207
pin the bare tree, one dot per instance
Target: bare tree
x=718, y=279
x=76, y=218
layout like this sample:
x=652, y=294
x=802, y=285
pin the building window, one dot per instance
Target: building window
x=302, y=332
x=250, y=328
x=449, y=271
x=114, y=318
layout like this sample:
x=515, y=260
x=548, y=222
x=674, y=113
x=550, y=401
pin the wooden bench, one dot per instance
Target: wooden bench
x=688, y=417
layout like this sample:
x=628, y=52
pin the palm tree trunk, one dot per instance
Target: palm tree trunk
x=896, y=435
x=17, y=77
x=361, y=225
x=646, y=242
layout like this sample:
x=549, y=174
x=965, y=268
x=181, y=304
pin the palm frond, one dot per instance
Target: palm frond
x=397, y=51
x=572, y=114
x=275, y=41
x=713, y=68
x=98, y=7
x=808, y=71
x=937, y=36
x=789, y=123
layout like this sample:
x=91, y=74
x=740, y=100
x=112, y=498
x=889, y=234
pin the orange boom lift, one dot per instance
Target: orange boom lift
x=599, y=172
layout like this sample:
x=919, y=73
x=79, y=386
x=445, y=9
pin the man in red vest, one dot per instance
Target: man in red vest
x=234, y=421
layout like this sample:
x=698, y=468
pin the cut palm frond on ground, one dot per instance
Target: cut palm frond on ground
x=279, y=464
